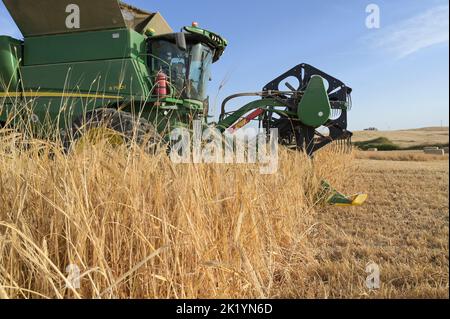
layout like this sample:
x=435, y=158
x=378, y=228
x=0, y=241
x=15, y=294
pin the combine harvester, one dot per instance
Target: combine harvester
x=86, y=64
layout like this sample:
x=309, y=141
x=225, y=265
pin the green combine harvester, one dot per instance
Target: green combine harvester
x=88, y=63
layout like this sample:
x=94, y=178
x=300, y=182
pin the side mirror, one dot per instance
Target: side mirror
x=181, y=41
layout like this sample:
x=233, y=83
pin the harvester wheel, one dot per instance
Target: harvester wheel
x=113, y=126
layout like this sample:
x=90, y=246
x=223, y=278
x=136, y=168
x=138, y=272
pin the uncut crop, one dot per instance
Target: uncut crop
x=139, y=226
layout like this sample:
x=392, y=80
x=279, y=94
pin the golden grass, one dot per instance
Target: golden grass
x=139, y=226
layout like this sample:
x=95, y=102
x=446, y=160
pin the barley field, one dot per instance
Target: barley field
x=139, y=226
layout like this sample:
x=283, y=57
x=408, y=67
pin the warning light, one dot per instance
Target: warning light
x=195, y=24
x=150, y=32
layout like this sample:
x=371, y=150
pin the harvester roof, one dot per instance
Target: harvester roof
x=44, y=17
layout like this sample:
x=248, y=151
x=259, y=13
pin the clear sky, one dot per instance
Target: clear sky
x=399, y=72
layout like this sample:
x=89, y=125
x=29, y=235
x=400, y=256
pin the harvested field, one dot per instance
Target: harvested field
x=403, y=228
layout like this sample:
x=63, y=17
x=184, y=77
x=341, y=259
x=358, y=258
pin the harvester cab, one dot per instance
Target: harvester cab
x=181, y=62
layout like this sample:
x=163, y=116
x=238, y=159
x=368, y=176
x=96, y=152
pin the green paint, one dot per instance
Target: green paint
x=125, y=77
x=333, y=197
x=10, y=56
x=314, y=108
x=235, y=116
x=218, y=42
x=112, y=61
x=84, y=46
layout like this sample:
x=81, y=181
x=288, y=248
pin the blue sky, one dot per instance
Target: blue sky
x=399, y=72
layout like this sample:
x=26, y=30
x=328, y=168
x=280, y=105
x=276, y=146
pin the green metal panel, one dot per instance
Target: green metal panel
x=62, y=111
x=10, y=56
x=218, y=42
x=86, y=46
x=232, y=118
x=314, y=108
x=127, y=77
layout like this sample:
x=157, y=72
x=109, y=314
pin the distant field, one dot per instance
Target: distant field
x=408, y=138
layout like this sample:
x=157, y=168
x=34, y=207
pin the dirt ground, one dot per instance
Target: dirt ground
x=403, y=228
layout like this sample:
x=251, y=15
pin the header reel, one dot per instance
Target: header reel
x=301, y=114
x=319, y=101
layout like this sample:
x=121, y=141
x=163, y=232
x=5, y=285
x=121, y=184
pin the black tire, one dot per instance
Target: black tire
x=131, y=128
